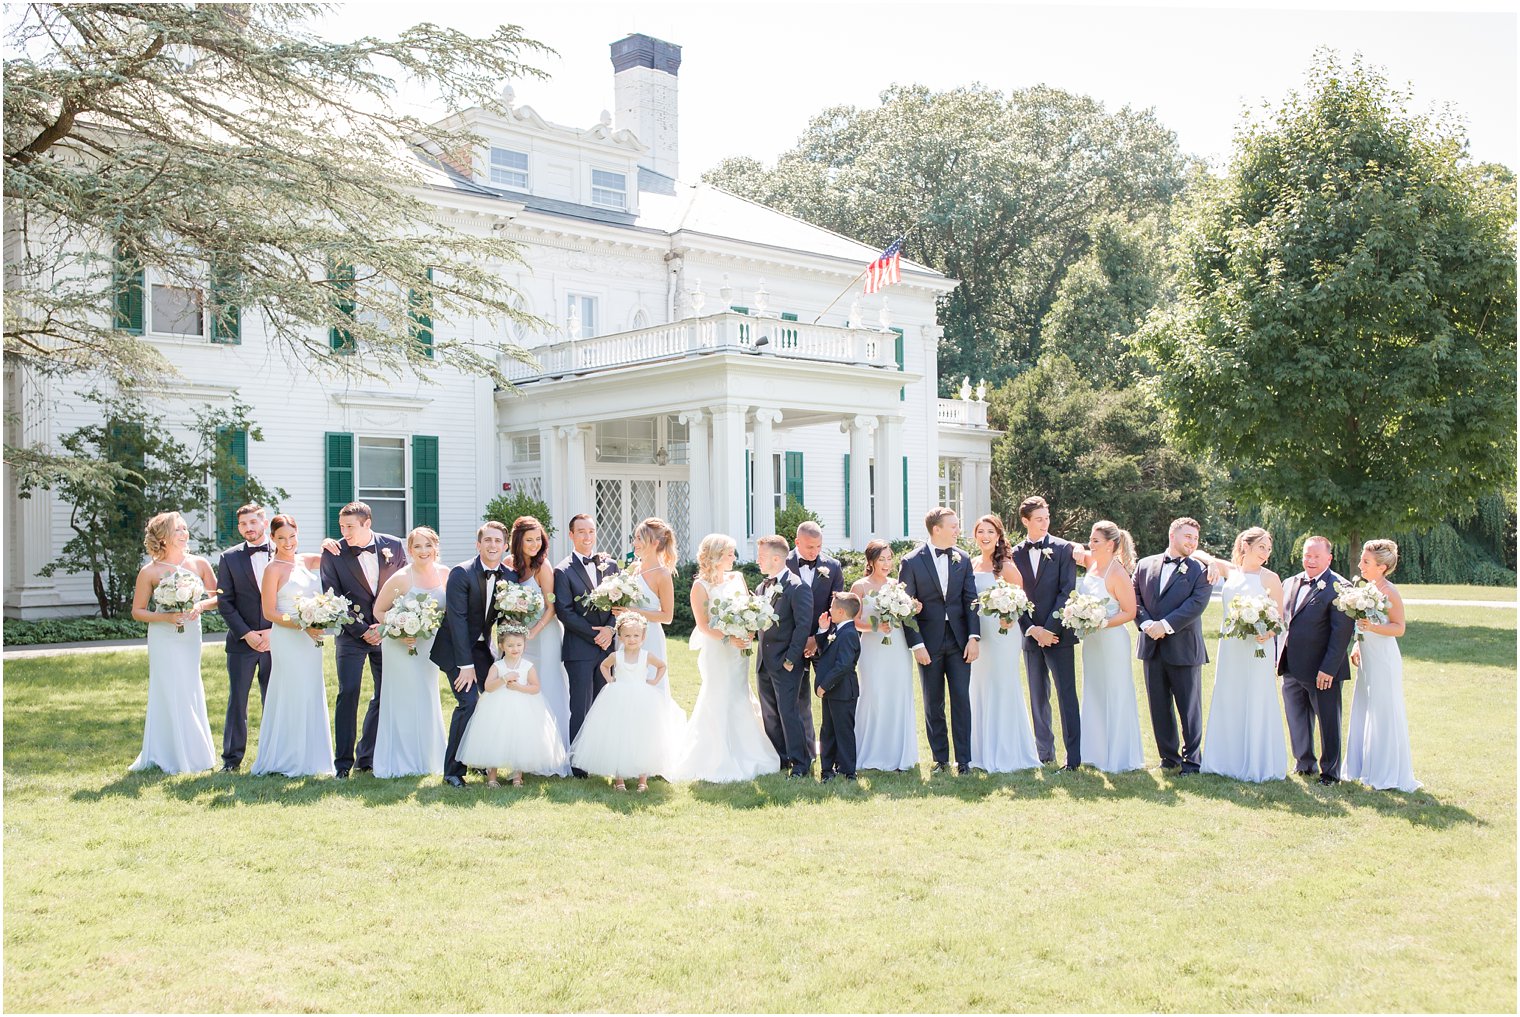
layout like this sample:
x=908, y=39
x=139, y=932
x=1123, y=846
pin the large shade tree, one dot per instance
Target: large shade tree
x=1344, y=331
x=234, y=152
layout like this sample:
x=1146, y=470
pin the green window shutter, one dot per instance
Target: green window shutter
x=788, y=316
x=340, y=477
x=341, y=340
x=902, y=393
x=127, y=285
x=233, y=442
x=847, y=494
x=905, y=496
x=741, y=310
x=425, y=480
x=749, y=497
x=226, y=319
x=794, y=476
x=422, y=321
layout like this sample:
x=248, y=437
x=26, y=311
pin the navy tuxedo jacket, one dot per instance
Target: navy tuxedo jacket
x=238, y=599
x=579, y=620
x=1049, y=590
x=1316, y=636
x=465, y=619
x=824, y=587
x=342, y=574
x=1181, y=606
x=948, y=616
x=835, y=666
x=783, y=642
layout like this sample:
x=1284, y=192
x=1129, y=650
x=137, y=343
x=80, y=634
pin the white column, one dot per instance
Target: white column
x=971, y=492
x=889, y=479
x=859, y=429
x=550, y=468
x=699, y=457
x=577, y=486
x=727, y=481
x=765, y=481
x=29, y=521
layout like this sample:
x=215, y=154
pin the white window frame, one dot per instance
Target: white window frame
x=407, y=498
x=952, y=475
x=586, y=300
x=153, y=278
x=492, y=168
x=600, y=200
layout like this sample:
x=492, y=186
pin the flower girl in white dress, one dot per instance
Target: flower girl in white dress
x=512, y=728
x=633, y=729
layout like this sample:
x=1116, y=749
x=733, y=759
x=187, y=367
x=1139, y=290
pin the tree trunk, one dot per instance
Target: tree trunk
x=107, y=609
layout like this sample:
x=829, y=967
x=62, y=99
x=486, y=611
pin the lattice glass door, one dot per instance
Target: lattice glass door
x=624, y=502
x=678, y=515
x=610, y=533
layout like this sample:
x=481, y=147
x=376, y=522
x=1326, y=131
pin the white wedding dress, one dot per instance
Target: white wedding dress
x=725, y=739
x=294, y=736
x=1377, y=744
x=1244, y=736
x=410, y=738
x=1110, y=711
x=176, y=733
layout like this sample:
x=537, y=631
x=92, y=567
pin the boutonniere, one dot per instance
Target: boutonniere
x=1047, y=553
x=823, y=572
x=1320, y=585
x=385, y=553
x=1182, y=568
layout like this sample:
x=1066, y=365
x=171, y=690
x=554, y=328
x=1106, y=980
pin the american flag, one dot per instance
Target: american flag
x=886, y=269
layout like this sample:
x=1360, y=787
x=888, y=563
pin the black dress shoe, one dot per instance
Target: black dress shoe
x=231, y=767
x=1328, y=780
x=578, y=773
x=1070, y=768
x=1047, y=762
x=826, y=778
x=962, y=768
x=366, y=769
x=341, y=773
x=453, y=781
x=1170, y=766
x=1304, y=773
x=939, y=768
x=1187, y=773
x=849, y=776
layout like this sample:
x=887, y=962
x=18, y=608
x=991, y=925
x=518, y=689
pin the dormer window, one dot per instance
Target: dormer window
x=608, y=189
x=509, y=168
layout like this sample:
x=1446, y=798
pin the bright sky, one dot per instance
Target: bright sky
x=752, y=73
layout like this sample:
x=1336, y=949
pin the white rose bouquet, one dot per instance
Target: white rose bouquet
x=413, y=616
x=177, y=592
x=1249, y=617
x=1085, y=614
x=617, y=590
x=518, y=603
x=1005, y=602
x=322, y=611
x=1360, y=600
x=894, y=606
x=741, y=615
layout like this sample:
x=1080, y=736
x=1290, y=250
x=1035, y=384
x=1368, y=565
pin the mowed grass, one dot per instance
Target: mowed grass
x=1032, y=891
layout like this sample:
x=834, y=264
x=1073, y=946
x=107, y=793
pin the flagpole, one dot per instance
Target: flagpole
x=900, y=240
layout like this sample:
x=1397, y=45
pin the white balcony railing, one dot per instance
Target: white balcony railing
x=729, y=332
x=963, y=412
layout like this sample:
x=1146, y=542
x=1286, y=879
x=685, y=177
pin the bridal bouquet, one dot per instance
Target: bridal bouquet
x=413, y=615
x=1005, y=602
x=1360, y=600
x=323, y=610
x=894, y=606
x=617, y=590
x=518, y=603
x=1085, y=614
x=177, y=592
x=1249, y=617
x=741, y=616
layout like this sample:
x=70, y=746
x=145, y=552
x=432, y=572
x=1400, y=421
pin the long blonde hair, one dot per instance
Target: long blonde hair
x=156, y=533
x=1247, y=538
x=710, y=552
x=657, y=531
x=1124, y=544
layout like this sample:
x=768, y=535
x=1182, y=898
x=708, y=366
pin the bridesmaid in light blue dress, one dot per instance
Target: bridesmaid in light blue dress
x=1002, y=734
x=529, y=545
x=294, y=736
x=1377, y=745
x=886, y=733
x=1110, y=711
x=410, y=739
x=1244, y=736
x=176, y=733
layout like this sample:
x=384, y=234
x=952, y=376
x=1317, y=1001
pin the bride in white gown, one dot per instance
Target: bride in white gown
x=725, y=740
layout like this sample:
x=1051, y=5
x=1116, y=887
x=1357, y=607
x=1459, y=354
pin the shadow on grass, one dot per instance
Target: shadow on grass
x=1445, y=643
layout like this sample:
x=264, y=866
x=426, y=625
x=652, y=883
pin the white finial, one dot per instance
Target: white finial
x=698, y=298
x=606, y=118
x=885, y=314
x=573, y=326
x=854, y=319
x=762, y=299
x=726, y=292
x=965, y=391
x=508, y=96
x=981, y=390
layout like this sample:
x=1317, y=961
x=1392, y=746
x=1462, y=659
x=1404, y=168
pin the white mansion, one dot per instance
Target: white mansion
x=684, y=376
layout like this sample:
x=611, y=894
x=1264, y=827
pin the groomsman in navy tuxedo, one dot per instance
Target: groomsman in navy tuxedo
x=588, y=632
x=1312, y=662
x=363, y=562
x=824, y=575
x=947, y=640
x=239, y=577
x=1049, y=572
x=1171, y=592
x=780, y=663
x=462, y=650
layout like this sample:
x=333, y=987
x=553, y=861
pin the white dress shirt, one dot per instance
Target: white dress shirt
x=260, y=561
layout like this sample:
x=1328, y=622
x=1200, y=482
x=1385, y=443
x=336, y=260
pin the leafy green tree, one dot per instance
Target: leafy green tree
x=794, y=515
x=153, y=472
x=507, y=507
x=1344, y=332
x=997, y=190
x=1093, y=451
x=230, y=150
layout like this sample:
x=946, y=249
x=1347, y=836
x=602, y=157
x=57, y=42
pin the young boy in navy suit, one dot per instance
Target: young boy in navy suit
x=838, y=686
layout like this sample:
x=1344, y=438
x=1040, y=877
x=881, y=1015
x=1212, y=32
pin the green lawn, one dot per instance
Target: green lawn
x=1416, y=591
x=1026, y=892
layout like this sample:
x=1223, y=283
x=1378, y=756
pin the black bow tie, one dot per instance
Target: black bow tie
x=1040, y=545
x=497, y=573
x=588, y=562
x=1171, y=560
x=769, y=582
x=262, y=548
x=362, y=550
x=944, y=551
x=808, y=563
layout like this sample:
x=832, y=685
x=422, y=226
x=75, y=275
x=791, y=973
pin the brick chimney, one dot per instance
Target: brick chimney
x=644, y=97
